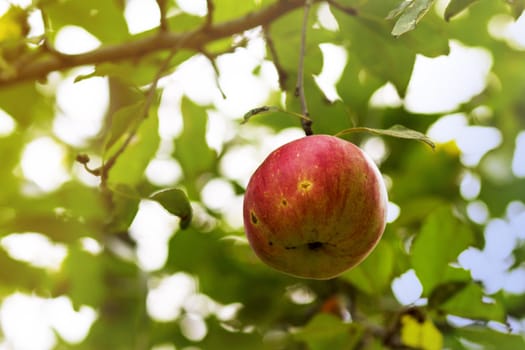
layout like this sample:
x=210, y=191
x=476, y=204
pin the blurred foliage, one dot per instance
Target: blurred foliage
x=358, y=310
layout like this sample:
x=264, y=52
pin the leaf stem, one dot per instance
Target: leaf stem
x=299, y=88
x=281, y=72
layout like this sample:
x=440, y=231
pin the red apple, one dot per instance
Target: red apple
x=315, y=207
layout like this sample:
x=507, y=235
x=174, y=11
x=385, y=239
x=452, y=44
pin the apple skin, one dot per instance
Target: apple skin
x=315, y=207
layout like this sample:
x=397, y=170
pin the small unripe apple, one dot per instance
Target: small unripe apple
x=315, y=207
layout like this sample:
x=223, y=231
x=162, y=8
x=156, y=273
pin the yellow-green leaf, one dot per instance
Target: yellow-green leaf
x=420, y=335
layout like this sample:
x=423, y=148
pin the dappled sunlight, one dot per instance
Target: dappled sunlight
x=75, y=40
x=334, y=62
x=220, y=130
x=393, y=212
x=219, y=195
x=243, y=89
x=376, y=148
x=81, y=108
x=43, y=319
x=440, y=84
x=472, y=150
x=407, y=288
x=35, y=249
x=478, y=212
x=141, y=15
x=43, y=163
x=518, y=161
x=455, y=127
x=151, y=228
x=470, y=185
x=386, y=96
x=193, y=327
x=509, y=30
x=263, y=141
x=177, y=297
x=326, y=18
x=164, y=172
x=493, y=265
x=7, y=124
x=167, y=295
x=195, y=7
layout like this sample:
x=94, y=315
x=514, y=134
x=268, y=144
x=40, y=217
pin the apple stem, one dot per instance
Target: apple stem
x=306, y=123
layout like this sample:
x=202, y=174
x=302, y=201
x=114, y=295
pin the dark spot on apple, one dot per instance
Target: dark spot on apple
x=290, y=247
x=270, y=243
x=254, y=219
x=315, y=245
x=304, y=185
x=284, y=202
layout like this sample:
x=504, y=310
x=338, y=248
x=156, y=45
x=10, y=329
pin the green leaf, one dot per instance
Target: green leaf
x=468, y=303
x=379, y=53
x=229, y=9
x=104, y=19
x=191, y=149
x=410, y=15
x=182, y=22
x=432, y=27
x=444, y=292
x=456, y=6
x=125, y=203
x=374, y=274
x=84, y=275
x=72, y=211
x=326, y=331
x=26, y=104
x=453, y=281
x=125, y=120
x=438, y=244
x=356, y=87
x=176, y=202
x=130, y=165
x=398, y=131
x=17, y=275
x=490, y=339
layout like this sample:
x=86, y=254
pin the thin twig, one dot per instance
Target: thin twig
x=163, y=20
x=211, y=59
x=46, y=45
x=281, y=72
x=209, y=15
x=299, y=89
